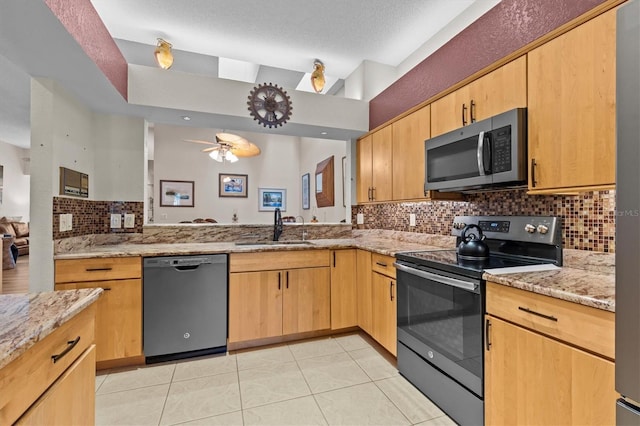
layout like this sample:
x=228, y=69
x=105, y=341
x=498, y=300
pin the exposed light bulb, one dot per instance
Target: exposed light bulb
x=317, y=76
x=163, y=54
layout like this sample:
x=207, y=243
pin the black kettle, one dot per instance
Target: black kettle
x=472, y=246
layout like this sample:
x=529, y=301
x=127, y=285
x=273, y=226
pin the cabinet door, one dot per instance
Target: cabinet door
x=118, y=318
x=501, y=90
x=531, y=379
x=381, y=153
x=364, y=165
x=255, y=305
x=363, y=288
x=71, y=399
x=409, y=134
x=571, y=111
x=344, y=312
x=307, y=300
x=385, y=311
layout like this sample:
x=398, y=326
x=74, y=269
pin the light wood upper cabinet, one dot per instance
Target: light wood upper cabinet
x=531, y=379
x=344, y=312
x=571, y=111
x=409, y=134
x=497, y=92
x=374, y=162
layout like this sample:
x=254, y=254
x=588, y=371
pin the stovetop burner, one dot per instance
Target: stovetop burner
x=513, y=241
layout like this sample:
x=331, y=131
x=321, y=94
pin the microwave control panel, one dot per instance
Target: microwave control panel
x=501, y=141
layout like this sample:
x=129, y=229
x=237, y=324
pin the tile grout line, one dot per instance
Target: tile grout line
x=166, y=398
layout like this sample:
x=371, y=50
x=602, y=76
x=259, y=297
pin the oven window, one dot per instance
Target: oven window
x=446, y=319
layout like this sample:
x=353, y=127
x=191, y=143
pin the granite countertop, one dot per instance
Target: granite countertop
x=587, y=278
x=25, y=319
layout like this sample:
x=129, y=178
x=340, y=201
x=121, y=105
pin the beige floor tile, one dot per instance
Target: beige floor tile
x=229, y=419
x=99, y=381
x=359, y=405
x=199, y=398
x=260, y=386
x=413, y=404
x=264, y=357
x=138, y=378
x=374, y=364
x=439, y=421
x=205, y=367
x=351, y=342
x=299, y=411
x=132, y=407
x=332, y=372
x=313, y=348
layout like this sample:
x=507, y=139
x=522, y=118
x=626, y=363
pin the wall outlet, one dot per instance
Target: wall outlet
x=129, y=220
x=412, y=219
x=359, y=218
x=66, y=222
x=116, y=220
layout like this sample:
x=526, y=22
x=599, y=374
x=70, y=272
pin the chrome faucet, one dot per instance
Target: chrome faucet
x=304, y=233
x=277, y=224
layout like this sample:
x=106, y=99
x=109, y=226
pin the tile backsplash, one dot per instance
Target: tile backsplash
x=588, y=219
x=92, y=217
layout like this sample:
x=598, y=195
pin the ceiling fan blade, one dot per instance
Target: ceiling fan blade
x=199, y=141
x=213, y=148
x=245, y=150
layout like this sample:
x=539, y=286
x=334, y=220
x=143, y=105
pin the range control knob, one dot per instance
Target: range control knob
x=459, y=225
x=530, y=228
x=543, y=229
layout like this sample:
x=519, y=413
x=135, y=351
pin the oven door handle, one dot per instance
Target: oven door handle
x=465, y=285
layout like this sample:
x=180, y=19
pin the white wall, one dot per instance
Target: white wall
x=281, y=164
x=15, y=192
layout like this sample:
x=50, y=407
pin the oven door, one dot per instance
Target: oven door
x=440, y=319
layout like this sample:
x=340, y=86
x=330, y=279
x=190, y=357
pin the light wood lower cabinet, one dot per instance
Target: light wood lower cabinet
x=118, y=318
x=547, y=361
x=363, y=288
x=274, y=303
x=531, y=379
x=344, y=312
x=66, y=401
x=384, y=304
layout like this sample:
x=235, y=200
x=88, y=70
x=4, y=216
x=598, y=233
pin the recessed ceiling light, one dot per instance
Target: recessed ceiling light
x=186, y=118
x=323, y=133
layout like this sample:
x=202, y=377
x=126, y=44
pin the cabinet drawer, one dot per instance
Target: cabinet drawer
x=97, y=269
x=37, y=364
x=383, y=264
x=583, y=326
x=274, y=260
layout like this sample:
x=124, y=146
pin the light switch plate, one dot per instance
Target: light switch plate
x=66, y=222
x=129, y=220
x=359, y=218
x=412, y=219
x=116, y=220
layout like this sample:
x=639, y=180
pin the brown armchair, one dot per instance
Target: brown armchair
x=19, y=231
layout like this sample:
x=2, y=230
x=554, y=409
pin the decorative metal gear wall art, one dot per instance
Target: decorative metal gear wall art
x=270, y=105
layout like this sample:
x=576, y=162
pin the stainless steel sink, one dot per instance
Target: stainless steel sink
x=274, y=243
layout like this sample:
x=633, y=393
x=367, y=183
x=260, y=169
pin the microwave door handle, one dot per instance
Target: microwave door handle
x=480, y=154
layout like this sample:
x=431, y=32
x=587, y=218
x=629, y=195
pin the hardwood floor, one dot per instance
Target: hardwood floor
x=16, y=280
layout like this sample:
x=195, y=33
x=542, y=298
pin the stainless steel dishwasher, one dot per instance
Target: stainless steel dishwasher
x=184, y=306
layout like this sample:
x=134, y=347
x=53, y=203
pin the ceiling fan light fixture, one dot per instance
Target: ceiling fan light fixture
x=216, y=156
x=317, y=76
x=163, y=54
x=230, y=157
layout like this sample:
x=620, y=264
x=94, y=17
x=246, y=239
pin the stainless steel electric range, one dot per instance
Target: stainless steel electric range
x=441, y=306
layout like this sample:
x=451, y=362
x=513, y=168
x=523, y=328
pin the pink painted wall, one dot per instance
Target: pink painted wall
x=83, y=23
x=504, y=29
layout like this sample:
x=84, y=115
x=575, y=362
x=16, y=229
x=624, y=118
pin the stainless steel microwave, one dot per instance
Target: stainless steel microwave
x=483, y=155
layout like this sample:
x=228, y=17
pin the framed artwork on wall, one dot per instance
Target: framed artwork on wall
x=232, y=185
x=305, y=191
x=271, y=199
x=176, y=193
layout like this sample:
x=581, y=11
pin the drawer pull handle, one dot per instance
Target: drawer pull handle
x=70, y=345
x=98, y=269
x=529, y=311
x=384, y=265
x=106, y=288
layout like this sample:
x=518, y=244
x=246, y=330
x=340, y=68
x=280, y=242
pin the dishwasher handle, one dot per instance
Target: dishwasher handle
x=186, y=267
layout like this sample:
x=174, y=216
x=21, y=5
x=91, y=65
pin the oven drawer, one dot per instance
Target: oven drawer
x=383, y=264
x=583, y=326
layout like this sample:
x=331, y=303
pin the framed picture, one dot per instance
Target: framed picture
x=232, y=185
x=271, y=199
x=305, y=191
x=176, y=193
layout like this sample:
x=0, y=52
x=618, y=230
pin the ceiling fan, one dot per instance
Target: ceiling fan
x=228, y=147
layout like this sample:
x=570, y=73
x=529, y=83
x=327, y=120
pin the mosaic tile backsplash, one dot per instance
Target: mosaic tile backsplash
x=92, y=217
x=588, y=220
